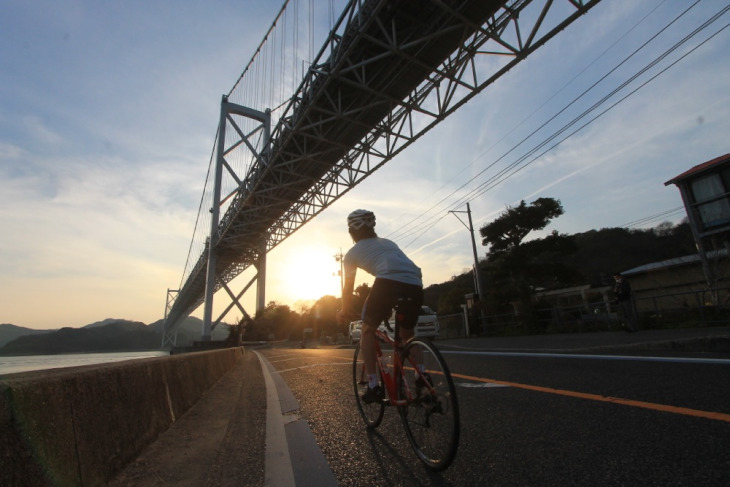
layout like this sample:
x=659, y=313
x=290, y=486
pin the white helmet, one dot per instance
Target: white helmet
x=360, y=219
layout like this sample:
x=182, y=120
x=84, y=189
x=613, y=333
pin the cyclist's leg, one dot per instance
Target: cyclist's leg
x=367, y=347
x=374, y=392
x=406, y=334
x=375, y=309
x=410, y=308
x=371, y=411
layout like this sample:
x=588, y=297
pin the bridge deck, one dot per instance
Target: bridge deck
x=386, y=52
x=394, y=71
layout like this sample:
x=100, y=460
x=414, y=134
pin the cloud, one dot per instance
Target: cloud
x=108, y=115
x=41, y=133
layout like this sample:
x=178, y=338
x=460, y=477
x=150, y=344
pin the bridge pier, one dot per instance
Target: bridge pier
x=261, y=278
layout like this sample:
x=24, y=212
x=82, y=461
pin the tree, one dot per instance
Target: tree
x=277, y=320
x=506, y=233
x=520, y=265
x=235, y=332
x=450, y=301
x=325, y=311
x=447, y=297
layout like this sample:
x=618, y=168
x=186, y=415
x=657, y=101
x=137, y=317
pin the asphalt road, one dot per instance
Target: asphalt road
x=533, y=419
x=650, y=408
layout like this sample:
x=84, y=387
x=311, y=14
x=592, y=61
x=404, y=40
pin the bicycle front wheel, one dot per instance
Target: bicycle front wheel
x=372, y=413
x=431, y=418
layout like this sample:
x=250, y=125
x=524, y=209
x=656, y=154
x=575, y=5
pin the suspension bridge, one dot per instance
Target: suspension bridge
x=299, y=129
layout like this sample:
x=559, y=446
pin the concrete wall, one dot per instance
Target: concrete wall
x=82, y=425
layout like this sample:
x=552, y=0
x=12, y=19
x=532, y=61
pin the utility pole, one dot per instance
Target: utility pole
x=477, y=273
x=339, y=257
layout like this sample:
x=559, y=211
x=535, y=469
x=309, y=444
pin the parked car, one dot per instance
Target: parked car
x=355, y=330
x=428, y=323
x=427, y=326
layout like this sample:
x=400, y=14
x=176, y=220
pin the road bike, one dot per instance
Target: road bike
x=418, y=383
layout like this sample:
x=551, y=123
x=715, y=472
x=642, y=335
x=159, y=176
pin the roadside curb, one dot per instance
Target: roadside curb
x=717, y=344
x=293, y=456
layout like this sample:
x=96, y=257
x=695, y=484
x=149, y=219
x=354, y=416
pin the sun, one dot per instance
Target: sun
x=306, y=274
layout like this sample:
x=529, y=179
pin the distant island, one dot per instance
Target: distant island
x=109, y=335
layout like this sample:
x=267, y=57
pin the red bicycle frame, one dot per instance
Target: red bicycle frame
x=391, y=374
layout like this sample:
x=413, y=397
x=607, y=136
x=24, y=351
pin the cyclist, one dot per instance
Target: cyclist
x=396, y=277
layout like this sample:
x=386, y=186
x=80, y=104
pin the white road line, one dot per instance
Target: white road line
x=478, y=385
x=716, y=361
x=313, y=365
x=278, y=469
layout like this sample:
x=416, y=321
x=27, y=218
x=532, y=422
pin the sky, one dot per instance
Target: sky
x=108, y=114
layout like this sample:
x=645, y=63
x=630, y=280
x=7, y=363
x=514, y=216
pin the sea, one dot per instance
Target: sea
x=27, y=363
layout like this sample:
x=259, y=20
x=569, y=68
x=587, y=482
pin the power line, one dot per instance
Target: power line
x=603, y=100
x=407, y=233
x=518, y=165
x=657, y=216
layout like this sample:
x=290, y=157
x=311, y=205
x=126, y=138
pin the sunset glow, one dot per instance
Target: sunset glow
x=307, y=274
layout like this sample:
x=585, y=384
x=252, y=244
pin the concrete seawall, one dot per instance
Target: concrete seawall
x=80, y=426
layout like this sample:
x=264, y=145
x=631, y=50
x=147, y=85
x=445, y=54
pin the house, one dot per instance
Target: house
x=705, y=191
x=679, y=283
x=684, y=282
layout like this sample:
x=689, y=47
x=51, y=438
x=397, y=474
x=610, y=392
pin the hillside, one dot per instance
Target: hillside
x=9, y=332
x=599, y=253
x=109, y=335
x=190, y=330
x=113, y=337
x=110, y=321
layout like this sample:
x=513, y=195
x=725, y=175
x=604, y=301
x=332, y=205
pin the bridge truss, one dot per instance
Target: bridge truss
x=388, y=73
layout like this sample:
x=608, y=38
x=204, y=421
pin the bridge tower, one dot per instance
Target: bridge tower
x=229, y=141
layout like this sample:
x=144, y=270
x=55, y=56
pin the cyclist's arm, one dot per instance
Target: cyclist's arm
x=345, y=314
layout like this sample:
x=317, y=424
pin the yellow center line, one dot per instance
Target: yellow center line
x=596, y=397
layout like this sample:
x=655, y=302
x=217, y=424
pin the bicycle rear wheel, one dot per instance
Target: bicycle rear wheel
x=431, y=418
x=372, y=413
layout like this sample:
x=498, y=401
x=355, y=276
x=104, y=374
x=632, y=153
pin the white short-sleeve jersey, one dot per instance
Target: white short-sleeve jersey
x=382, y=258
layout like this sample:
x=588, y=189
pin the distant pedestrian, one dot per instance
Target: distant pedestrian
x=622, y=291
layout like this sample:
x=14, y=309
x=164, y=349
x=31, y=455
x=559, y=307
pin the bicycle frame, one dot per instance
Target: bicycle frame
x=391, y=376
x=418, y=383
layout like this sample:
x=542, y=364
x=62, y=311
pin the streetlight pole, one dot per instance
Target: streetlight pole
x=477, y=273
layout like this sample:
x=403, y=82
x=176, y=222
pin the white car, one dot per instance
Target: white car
x=428, y=323
x=355, y=331
x=427, y=326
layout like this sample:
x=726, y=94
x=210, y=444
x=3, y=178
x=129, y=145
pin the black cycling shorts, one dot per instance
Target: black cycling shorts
x=383, y=297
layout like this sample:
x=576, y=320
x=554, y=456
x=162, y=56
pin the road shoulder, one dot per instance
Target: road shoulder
x=219, y=441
